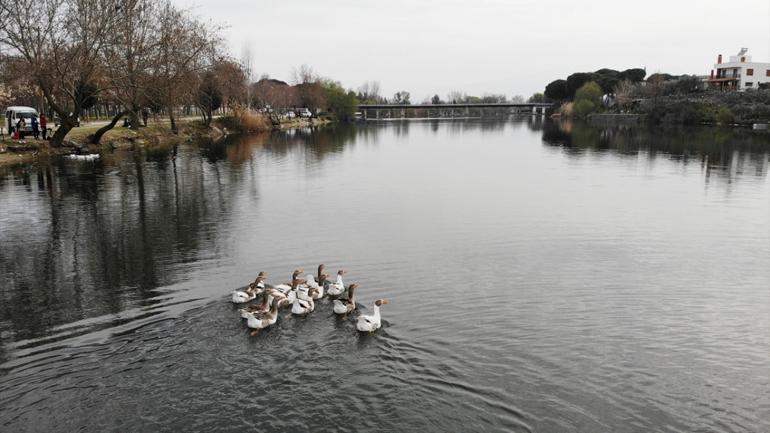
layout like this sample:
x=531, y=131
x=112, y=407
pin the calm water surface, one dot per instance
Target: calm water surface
x=541, y=278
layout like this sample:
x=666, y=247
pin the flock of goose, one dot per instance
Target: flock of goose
x=301, y=295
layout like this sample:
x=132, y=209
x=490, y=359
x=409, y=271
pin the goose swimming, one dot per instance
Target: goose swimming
x=262, y=307
x=289, y=286
x=371, y=323
x=251, y=292
x=258, y=321
x=311, y=283
x=345, y=306
x=281, y=298
x=302, y=306
x=336, y=288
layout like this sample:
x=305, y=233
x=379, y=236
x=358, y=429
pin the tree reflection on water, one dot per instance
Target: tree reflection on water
x=724, y=152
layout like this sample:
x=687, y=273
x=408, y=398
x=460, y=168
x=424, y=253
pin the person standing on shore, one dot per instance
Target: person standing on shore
x=145, y=114
x=35, y=127
x=44, y=125
x=20, y=128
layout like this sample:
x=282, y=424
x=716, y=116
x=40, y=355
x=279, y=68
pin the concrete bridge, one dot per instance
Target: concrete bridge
x=394, y=111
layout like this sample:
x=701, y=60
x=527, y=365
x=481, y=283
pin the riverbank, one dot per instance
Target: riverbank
x=157, y=134
x=674, y=105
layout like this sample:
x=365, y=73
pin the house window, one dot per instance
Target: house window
x=749, y=72
x=767, y=72
x=749, y=84
x=743, y=59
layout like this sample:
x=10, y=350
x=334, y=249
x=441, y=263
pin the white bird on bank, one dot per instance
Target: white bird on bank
x=371, y=323
x=83, y=157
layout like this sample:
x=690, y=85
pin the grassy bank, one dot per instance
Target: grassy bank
x=156, y=135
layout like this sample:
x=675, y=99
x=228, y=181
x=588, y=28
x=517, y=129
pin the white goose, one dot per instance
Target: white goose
x=301, y=306
x=283, y=299
x=311, y=284
x=345, y=306
x=336, y=288
x=262, y=307
x=242, y=296
x=289, y=286
x=261, y=321
x=251, y=292
x=303, y=291
x=371, y=323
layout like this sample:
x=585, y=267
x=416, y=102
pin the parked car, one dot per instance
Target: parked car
x=290, y=115
x=14, y=113
x=304, y=112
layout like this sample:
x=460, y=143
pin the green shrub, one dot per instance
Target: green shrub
x=675, y=113
x=751, y=113
x=583, y=107
x=725, y=116
x=589, y=91
x=340, y=103
x=588, y=99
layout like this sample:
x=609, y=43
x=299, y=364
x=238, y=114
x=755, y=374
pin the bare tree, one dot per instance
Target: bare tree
x=185, y=48
x=129, y=61
x=61, y=42
x=232, y=81
x=247, y=62
x=402, y=97
x=369, y=92
x=456, y=97
x=624, y=93
x=304, y=74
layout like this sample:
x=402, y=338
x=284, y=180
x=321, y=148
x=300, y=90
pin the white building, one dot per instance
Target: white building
x=740, y=73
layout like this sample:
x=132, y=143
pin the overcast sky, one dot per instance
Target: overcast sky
x=485, y=46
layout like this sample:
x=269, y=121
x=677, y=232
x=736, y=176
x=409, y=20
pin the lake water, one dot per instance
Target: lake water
x=541, y=278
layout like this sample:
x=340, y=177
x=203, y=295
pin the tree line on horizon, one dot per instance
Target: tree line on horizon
x=660, y=97
x=69, y=56
x=607, y=79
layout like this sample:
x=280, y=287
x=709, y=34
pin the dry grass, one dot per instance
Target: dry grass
x=251, y=122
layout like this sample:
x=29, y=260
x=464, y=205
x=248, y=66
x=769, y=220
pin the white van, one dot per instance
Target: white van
x=14, y=113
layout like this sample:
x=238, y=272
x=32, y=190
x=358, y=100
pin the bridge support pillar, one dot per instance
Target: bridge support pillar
x=467, y=112
x=403, y=113
x=363, y=113
x=534, y=110
x=376, y=114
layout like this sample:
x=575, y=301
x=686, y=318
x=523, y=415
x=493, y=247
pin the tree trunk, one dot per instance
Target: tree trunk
x=64, y=128
x=207, y=117
x=173, y=121
x=94, y=139
x=133, y=117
